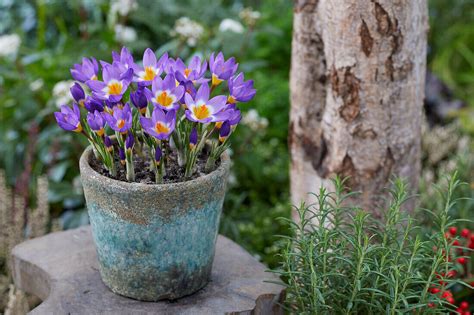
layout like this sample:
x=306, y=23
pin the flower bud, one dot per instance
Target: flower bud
x=129, y=142
x=193, y=138
x=224, y=131
x=108, y=144
x=158, y=155
x=122, y=156
x=78, y=94
x=139, y=100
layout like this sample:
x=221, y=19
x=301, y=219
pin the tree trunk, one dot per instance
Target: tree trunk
x=357, y=88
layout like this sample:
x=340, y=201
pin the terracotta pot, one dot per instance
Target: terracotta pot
x=154, y=242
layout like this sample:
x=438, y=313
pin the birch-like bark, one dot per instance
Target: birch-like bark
x=357, y=88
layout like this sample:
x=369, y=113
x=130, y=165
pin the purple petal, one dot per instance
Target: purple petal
x=203, y=93
x=217, y=103
x=149, y=58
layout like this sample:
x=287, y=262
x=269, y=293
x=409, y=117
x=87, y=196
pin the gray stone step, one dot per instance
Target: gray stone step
x=62, y=270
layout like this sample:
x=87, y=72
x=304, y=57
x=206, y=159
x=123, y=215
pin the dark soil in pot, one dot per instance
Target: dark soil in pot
x=143, y=174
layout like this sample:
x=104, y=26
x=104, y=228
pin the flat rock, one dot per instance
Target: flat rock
x=62, y=270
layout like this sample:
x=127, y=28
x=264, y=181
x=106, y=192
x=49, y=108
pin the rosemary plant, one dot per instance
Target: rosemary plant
x=350, y=263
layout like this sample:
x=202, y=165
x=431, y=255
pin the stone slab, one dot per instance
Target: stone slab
x=62, y=270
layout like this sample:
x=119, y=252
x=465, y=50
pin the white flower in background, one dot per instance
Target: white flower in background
x=123, y=7
x=61, y=92
x=9, y=44
x=187, y=29
x=125, y=34
x=249, y=16
x=229, y=25
x=36, y=85
x=254, y=121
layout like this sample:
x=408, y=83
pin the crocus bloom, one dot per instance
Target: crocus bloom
x=78, y=94
x=233, y=119
x=193, y=138
x=92, y=104
x=151, y=67
x=88, y=70
x=202, y=109
x=240, y=90
x=129, y=142
x=108, y=144
x=164, y=92
x=69, y=119
x=122, y=156
x=124, y=60
x=121, y=120
x=158, y=155
x=96, y=121
x=160, y=125
x=224, y=132
x=139, y=99
x=220, y=69
x=115, y=83
x=194, y=72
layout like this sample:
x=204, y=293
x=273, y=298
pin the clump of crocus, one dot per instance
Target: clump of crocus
x=175, y=108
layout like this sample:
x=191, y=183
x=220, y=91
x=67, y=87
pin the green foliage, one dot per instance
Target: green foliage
x=350, y=263
x=56, y=34
x=451, y=53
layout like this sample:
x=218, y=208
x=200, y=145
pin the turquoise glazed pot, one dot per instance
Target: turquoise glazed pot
x=154, y=242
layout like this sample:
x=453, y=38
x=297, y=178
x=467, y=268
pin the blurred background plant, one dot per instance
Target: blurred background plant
x=40, y=40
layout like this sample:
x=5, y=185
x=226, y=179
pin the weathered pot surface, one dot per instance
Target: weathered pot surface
x=154, y=242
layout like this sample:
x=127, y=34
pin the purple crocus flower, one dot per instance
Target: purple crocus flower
x=114, y=85
x=121, y=120
x=224, y=132
x=202, y=109
x=69, y=119
x=96, y=121
x=129, y=142
x=240, y=90
x=151, y=67
x=93, y=104
x=160, y=125
x=108, y=143
x=220, y=69
x=78, y=94
x=168, y=66
x=124, y=60
x=88, y=70
x=194, y=72
x=233, y=119
x=158, y=155
x=122, y=156
x=193, y=138
x=164, y=92
x=139, y=99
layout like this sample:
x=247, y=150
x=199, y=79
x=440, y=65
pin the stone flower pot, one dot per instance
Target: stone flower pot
x=154, y=242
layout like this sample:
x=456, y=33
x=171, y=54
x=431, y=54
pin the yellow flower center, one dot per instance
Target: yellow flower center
x=115, y=88
x=201, y=112
x=100, y=132
x=149, y=74
x=164, y=99
x=187, y=71
x=215, y=80
x=231, y=99
x=94, y=77
x=78, y=128
x=120, y=123
x=161, y=128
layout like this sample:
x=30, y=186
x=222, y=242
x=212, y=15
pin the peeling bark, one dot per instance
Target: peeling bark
x=357, y=84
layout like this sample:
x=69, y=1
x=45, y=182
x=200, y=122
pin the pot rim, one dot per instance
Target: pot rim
x=87, y=170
